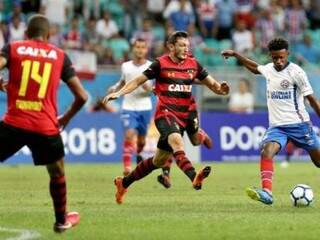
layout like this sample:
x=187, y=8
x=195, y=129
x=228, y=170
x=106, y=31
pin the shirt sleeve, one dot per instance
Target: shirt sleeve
x=202, y=73
x=67, y=70
x=301, y=80
x=262, y=70
x=153, y=70
x=5, y=52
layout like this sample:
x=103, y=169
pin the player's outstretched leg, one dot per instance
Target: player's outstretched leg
x=264, y=195
x=58, y=192
x=122, y=183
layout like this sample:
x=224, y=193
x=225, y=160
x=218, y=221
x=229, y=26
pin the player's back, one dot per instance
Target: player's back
x=35, y=69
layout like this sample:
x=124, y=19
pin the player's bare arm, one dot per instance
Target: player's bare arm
x=216, y=87
x=127, y=88
x=80, y=98
x=314, y=103
x=116, y=87
x=3, y=83
x=251, y=65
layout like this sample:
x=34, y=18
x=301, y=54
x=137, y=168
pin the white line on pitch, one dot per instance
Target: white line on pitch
x=22, y=234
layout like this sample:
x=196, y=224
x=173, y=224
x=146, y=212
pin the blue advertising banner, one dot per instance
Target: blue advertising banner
x=236, y=137
x=90, y=137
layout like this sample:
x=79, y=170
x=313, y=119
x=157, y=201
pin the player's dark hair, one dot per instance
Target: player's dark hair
x=173, y=37
x=278, y=44
x=38, y=26
x=134, y=41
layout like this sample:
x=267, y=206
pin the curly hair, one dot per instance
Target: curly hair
x=278, y=44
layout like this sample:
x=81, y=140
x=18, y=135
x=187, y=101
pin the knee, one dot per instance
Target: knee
x=267, y=153
x=175, y=141
x=130, y=135
x=56, y=169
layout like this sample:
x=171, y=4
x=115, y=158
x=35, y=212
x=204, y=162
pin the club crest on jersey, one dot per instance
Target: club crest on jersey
x=285, y=84
x=179, y=88
x=37, y=52
x=171, y=74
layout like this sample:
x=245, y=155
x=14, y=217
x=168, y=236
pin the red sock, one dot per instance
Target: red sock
x=184, y=164
x=127, y=152
x=266, y=171
x=58, y=192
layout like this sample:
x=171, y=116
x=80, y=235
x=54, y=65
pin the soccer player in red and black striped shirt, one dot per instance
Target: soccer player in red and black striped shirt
x=35, y=69
x=174, y=73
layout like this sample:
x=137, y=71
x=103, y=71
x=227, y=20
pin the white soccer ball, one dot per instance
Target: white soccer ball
x=301, y=195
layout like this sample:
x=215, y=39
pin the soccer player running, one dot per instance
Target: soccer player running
x=287, y=87
x=174, y=74
x=136, y=106
x=35, y=69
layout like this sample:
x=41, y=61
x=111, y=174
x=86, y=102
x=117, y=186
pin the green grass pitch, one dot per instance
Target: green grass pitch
x=221, y=210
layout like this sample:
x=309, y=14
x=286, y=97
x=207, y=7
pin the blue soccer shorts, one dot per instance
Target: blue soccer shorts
x=138, y=120
x=301, y=134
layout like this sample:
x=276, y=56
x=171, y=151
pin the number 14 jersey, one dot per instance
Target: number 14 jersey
x=35, y=70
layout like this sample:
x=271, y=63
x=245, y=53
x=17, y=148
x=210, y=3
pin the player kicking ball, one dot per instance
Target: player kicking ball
x=35, y=69
x=287, y=88
x=174, y=73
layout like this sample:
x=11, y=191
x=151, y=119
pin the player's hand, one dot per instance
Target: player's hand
x=224, y=88
x=63, y=121
x=228, y=53
x=3, y=85
x=110, y=97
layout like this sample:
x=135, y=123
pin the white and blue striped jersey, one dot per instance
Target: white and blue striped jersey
x=286, y=90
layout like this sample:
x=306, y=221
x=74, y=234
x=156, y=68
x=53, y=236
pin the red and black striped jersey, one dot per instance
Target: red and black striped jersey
x=174, y=85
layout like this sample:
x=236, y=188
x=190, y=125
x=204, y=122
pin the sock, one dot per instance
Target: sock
x=266, y=171
x=128, y=151
x=143, y=169
x=140, y=148
x=58, y=192
x=166, y=168
x=184, y=164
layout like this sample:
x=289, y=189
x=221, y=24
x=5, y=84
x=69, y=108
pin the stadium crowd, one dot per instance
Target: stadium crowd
x=107, y=27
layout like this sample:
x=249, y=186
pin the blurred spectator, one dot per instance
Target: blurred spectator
x=207, y=12
x=307, y=52
x=56, y=11
x=242, y=38
x=181, y=19
x=2, y=35
x=132, y=19
x=120, y=48
x=17, y=11
x=225, y=18
x=56, y=37
x=145, y=33
x=17, y=29
x=197, y=42
x=175, y=5
x=295, y=21
x=314, y=14
x=106, y=27
x=155, y=9
x=242, y=100
x=73, y=38
x=91, y=39
x=265, y=29
x=245, y=12
x=278, y=16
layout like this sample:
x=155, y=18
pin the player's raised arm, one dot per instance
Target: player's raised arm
x=251, y=65
x=127, y=88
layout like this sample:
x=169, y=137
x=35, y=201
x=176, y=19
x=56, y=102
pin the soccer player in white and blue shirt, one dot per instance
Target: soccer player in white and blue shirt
x=136, y=106
x=287, y=88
